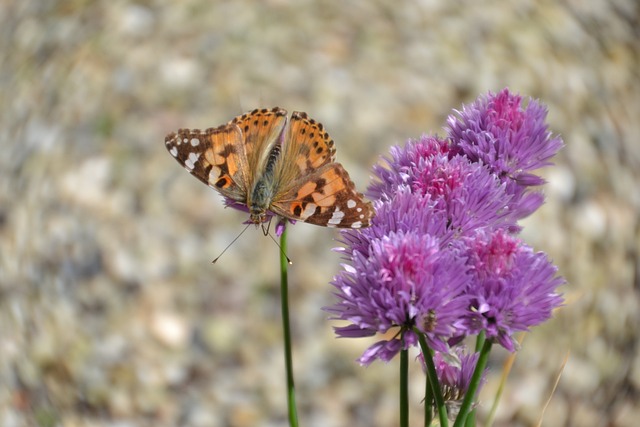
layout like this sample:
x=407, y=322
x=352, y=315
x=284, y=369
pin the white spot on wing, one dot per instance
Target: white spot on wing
x=173, y=151
x=351, y=203
x=214, y=174
x=356, y=224
x=336, y=217
x=190, y=163
x=195, y=142
x=308, y=211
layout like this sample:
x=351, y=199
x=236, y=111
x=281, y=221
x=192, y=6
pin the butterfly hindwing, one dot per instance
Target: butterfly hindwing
x=325, y=197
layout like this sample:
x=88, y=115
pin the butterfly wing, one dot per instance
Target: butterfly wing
x=261, y=130
x=306, y=147
x=215, y=156
x=325, y=197
x=311, y=186
x=228, y=158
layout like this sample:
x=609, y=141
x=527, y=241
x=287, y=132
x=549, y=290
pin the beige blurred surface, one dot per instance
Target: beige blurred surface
x=111, y=313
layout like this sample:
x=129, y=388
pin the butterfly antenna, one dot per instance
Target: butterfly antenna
x=280, y=247
x=229, y=245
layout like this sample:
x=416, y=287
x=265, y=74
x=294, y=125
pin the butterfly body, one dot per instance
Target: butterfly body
x=261, y=195
x=273, y=167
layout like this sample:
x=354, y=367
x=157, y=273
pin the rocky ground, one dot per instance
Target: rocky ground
x=111, y=313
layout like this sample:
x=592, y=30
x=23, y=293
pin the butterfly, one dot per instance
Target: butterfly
x=271, y=166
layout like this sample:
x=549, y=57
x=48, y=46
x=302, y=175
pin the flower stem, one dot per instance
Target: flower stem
x=428, y=401
x=474, y=384
x=480, y=339
x=286, y=330
x=404, y=388
x=432, y=377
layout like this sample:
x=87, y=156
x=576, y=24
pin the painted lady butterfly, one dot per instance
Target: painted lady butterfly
x=269, y=167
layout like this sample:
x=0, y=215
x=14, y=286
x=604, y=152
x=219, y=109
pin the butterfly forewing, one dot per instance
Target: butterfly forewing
x=214, y=156
x=261, y=130
x=307, y=147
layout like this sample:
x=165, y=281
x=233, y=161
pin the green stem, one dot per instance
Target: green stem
x=475, y=383
x=432, y=377
x=404, y=388
x=480, y=339
x=428, y=402
x=284, y=302
x=471, y=419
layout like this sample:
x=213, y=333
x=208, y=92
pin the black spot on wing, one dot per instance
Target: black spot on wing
x=228, y=150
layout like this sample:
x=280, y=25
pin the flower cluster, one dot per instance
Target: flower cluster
x=442, y=257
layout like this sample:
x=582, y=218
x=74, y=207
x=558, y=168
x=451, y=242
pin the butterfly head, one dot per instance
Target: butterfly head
x=258, y=216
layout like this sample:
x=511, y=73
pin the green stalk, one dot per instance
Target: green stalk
x=432, y=377
x=471, y=418
x=404, y=388
x=475, y=383
x=284, y=302
x=428, y=402
x=480, y=339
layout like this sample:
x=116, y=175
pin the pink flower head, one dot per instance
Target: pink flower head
x=513, y=288
x=511, y=138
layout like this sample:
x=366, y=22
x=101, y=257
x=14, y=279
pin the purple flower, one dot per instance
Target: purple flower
x=511, y=139
x=438, y=257
x=398, y=170
x=403, y=280
x=402, y=212
x=467, y=194
x=454, y=371
x=512, y=289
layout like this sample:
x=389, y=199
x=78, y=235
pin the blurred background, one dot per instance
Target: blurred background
x=111, y=313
